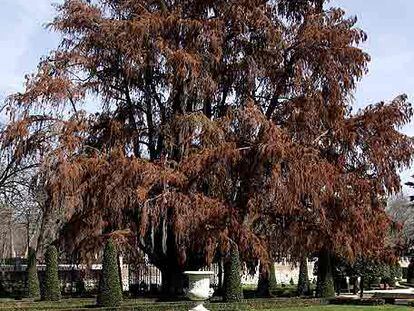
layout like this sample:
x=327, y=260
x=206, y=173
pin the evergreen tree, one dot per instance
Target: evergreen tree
x=33, y=289
x=110, y=292
x=52, y=284
x=303, y=282
x=232, y=281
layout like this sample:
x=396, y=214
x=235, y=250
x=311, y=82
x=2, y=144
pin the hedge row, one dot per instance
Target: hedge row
x=255, y=304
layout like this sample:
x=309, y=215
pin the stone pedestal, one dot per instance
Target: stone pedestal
x=199, y=288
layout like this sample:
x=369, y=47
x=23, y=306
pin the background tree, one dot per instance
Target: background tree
x=402, y=213
x=222, y=118
x=19, y=209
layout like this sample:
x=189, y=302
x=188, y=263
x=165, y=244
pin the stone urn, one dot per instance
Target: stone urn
x=199, y=288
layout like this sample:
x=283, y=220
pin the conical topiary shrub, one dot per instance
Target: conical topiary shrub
x=33, y=289
x=303, y=282
x=110, y=292
x=232, y=288
x=52, y=284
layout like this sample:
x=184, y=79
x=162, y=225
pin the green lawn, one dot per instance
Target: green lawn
x=343, y=308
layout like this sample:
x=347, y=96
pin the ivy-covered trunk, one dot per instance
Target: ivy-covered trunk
x=325, y=285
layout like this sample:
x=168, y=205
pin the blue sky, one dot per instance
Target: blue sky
x=389, y=24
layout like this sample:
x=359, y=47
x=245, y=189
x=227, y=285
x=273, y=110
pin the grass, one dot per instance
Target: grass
x=343, y=308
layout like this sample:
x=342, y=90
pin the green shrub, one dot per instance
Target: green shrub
x=303, y=281
x=110, y=292
x=232, y=287
x=33, y=289
x=52, y=284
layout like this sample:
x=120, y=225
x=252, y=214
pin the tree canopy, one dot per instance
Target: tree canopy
x=221, y=120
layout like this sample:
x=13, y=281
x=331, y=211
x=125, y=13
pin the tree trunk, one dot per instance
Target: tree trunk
x=361, y=286
x=220, y=277
x=325, y=284
x=263, y=289
x=173, y=282
x=410, y=272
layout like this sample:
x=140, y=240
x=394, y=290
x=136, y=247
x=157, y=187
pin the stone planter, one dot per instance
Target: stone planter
x=199, y=288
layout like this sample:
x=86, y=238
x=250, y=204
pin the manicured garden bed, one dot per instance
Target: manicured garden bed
x=150, y=304
x=292, y=304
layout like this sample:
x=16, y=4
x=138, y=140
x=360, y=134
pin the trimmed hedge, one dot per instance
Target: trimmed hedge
x=110, y=292
x=244, y=305
x=303, y=282
x=232, y=287
x=33, y=288
x=52, y=284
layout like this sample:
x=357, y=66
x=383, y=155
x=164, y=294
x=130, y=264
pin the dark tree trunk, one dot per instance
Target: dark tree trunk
x=325, y=284
x=355, y=285
x=410, y=272
x=173, y=282
x=361, y=286
x=220, y=277
x=263, y=288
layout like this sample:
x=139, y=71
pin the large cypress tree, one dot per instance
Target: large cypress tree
x=212, y=110
x=33, y=289
x=52, y=283
x=110, y=292
x=232, y=286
